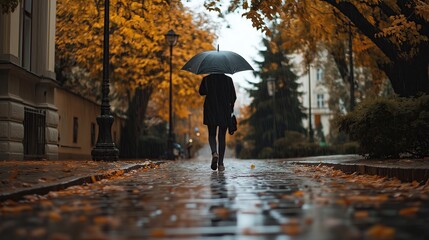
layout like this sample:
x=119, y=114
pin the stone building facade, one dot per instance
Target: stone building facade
x=321, y=115
x=77, y=127
x=28, y=115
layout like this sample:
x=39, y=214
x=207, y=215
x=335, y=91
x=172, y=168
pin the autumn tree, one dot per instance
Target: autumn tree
x=139, y=54
x=399, y=29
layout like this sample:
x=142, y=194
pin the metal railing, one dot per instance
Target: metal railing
x=34, y=133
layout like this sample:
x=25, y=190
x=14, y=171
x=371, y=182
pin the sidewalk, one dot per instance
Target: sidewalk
x=20, y=178
x=406, y=170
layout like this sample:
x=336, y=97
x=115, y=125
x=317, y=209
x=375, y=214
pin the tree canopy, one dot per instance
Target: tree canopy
x=139, y=58
x=138, y=50
x=393, y=34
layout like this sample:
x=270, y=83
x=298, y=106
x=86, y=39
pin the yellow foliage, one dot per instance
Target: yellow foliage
x=139, y=54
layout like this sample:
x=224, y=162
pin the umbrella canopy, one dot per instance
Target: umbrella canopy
x=211, y=62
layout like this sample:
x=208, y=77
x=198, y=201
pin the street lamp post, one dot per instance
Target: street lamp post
x=271, y=86
x=310, y=127
x=351, y=73
x=171, y=38
x=105, y=148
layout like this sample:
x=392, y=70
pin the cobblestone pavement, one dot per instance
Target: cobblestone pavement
x=253, y=199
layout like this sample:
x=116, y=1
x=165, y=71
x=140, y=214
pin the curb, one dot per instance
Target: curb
x=420, y=175
x=77, y=181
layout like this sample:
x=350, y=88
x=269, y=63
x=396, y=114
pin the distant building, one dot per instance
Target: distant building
x=321, y=114
x=28, y=115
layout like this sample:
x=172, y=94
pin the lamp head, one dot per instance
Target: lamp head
x=171, y=37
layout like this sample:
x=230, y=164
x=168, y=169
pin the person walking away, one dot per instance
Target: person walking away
x=220, y=97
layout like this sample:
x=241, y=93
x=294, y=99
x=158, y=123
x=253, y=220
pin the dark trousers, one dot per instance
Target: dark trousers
x=221, y=134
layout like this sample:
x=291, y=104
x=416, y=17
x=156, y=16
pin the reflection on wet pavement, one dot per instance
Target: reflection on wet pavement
x=185, y=199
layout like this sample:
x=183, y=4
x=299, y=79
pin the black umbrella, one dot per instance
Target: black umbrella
x=211, y=62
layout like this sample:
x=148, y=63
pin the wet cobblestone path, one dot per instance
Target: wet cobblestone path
x=187, y=200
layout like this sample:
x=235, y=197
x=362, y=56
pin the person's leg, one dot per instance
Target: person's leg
x=212, y=138
x=222, y=146
x=212, y=143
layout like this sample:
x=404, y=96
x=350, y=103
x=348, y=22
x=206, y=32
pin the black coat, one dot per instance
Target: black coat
x=220, y=98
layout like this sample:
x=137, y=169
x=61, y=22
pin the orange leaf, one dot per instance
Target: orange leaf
x=381, y=232
x=408, y=211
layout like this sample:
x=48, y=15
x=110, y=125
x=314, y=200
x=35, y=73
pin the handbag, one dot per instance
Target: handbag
x=232, y=124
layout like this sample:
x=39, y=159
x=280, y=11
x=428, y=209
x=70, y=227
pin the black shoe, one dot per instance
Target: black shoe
x=215, y=157
x=221, y=167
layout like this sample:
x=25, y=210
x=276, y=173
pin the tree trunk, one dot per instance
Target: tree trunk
x=133, y=126
x=409, y=77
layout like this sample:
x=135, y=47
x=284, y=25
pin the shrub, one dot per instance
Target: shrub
x=266, y=152
x=294, y=144
x=348, y=148
x=151, y=147
x=389, y=128
x=245, y=153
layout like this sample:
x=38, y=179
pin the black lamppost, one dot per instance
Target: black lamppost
x=310, y=127
x=171, y=38
x=352, y=81
x=271, y=86
x=105, y=148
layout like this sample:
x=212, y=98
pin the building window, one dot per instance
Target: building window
x=75, y=129
x=319, y=74
x=26, y=34
x=92, y=134
x=320, y=101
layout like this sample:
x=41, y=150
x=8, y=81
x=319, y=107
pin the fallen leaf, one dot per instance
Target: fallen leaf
x=21, y=232
x=415, y=184
x=42, y=180
x=292, y=228
x=13, y=174
x=80, y=219
x=361, y=214
x=221, y=212
x=54, y=215
x=15, y=209
x=298, y=193
x=93, y=179
x=38, y=232
x=107, y=220
x=308, y=220
x=381, y=232
x=273, y=205
x=26, y=184
x=59, y=236
x=157, y=233
x=46, y=203
x=248, y=231
x=408, y=211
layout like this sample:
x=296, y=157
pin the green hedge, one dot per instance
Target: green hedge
x=295, y=144
x=151, y=147
x=390, y=127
